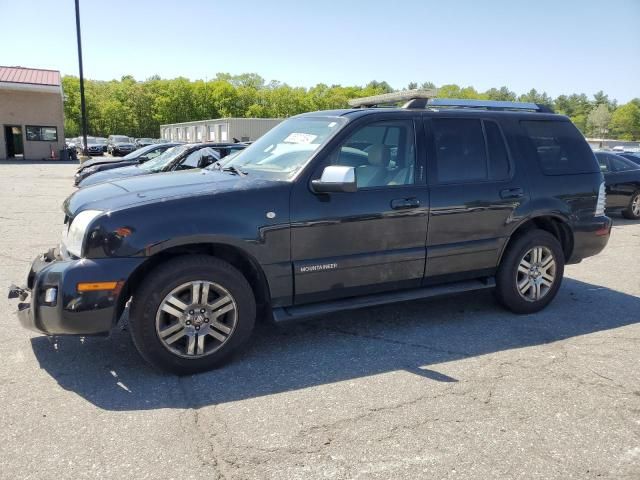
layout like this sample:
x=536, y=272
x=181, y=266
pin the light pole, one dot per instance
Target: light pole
x=83, y=109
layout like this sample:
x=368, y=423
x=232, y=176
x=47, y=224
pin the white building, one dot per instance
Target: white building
x=219, y=130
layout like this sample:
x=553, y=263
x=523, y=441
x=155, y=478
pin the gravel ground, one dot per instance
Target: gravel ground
x=447, y=388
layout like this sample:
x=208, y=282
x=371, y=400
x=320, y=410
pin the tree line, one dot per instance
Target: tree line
x=138, y=108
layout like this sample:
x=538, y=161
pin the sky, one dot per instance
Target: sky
x=557, y=46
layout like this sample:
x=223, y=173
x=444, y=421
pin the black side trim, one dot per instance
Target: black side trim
x=285, y=314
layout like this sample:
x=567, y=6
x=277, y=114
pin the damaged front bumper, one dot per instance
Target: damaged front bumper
x=51, y=304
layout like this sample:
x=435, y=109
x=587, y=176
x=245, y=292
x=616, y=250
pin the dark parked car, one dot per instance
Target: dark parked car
x=94, y=147
x=622, y=178
x=102, y=141
x=180, y=157
x=634, y=157
x=134, y=158
x=118, y=145
x=327, y=211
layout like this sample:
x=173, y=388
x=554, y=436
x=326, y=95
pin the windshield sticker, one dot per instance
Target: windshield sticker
x=300, y=138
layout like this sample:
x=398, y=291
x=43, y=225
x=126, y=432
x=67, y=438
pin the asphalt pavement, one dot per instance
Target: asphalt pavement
x=450, y=388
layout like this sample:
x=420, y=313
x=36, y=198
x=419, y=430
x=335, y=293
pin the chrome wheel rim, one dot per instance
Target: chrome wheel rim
x=635, y=205
x=536, y=274
x=196, y=319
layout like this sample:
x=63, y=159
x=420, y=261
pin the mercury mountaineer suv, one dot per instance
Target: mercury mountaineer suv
x=328, y=211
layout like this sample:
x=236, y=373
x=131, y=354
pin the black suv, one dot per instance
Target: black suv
x=328, y=211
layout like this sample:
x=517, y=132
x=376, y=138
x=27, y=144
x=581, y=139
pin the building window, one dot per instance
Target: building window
x=42, y=134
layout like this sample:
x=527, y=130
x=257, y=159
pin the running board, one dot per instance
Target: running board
x=287, y=314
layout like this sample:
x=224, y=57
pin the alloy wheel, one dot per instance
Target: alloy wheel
x=635, y=205
x=536, y=273
x=196, y=319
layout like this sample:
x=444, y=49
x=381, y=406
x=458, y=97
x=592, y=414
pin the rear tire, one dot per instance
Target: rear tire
x=192, y=314
x=530, y=272
x=632, y=212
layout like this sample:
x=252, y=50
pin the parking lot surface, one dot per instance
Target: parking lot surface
x=446, y=388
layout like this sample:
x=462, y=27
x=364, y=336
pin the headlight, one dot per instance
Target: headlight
x=74, y=238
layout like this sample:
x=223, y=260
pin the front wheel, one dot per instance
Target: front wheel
x=632, y=212
x=530, y=273
x=191, y=314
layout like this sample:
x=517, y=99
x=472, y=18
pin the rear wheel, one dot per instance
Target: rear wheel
x=530, y=273
x=192, y=314
x=632, y=212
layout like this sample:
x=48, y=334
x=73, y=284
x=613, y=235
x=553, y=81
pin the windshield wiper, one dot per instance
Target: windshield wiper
x=234, y=169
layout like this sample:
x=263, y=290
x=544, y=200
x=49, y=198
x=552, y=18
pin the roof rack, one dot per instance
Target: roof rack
x=393, y=97
x=484, y=105
x=421, y=99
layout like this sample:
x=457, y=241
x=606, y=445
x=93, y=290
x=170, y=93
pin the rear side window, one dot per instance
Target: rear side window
x=560, y=147
x=469, y=150
x=460, y=152
x=498, y=156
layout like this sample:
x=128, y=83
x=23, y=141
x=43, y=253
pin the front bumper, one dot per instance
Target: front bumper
x=72, y=312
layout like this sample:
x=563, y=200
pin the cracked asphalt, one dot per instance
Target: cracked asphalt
x=438, y=389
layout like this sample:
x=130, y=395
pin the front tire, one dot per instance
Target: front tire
x=632, y=212
x=530, y=272
x=191, y=314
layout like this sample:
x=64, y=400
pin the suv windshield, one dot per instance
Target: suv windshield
x=284, y=151
x=120, y=138
x=165, y=159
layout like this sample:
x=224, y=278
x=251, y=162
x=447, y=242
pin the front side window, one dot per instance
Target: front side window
x=383, y=154
x=621, y=164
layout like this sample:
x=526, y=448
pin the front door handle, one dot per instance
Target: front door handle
x=404, y=203
x=515, y=192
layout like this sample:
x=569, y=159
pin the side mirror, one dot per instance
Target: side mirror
x=336, y=178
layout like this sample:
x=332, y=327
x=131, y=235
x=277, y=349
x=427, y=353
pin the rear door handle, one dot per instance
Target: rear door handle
x=515, y=192
x=403, y=203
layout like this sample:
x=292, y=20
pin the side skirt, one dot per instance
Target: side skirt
x=298, y=312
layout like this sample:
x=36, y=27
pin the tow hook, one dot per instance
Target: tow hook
x=18, y=292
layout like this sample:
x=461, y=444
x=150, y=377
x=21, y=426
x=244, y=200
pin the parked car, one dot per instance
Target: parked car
x=180, y=157
x=439, y=197
x=143, y=142
x=118, y=145
x=94, y=147
x=622, y=178
x=102, y=141
x=634, y=157
x=134, y=158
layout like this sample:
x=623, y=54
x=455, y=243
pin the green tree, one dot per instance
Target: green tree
x=598, y=121
x=625, y=121
x=502, y=94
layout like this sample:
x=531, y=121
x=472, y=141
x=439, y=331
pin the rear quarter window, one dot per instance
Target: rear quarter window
x=560, y=147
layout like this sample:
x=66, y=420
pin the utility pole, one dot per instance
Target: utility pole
x=83, y=108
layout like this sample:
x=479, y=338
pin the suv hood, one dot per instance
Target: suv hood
x=99, y=161
x=157, y=188
x=114, y=174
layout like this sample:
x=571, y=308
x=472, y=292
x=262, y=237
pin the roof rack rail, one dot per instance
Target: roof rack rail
x=394, y=97
x=421, y=99
x=483, y=104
